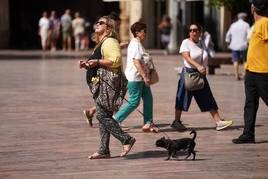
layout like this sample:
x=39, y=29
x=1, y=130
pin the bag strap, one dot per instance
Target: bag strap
x=100, y=43
x=201, y=41
x=153, y=64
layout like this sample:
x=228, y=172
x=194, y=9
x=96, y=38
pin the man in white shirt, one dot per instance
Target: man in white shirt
x=236, y=38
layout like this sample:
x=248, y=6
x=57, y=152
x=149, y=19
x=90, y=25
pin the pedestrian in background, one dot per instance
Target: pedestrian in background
x=43, y=30
x=107, y=57
x=88, y=29
x=256, y=81
x=165, y=29
x=54, y=30
x=78, y=25
x=113, y=15
x=250, y=32
x=236, y=39
x=138, y=79
x=66, y=24
x=195, y=60
x=209, y=45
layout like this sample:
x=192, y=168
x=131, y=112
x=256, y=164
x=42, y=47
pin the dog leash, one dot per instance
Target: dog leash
x=140, y=112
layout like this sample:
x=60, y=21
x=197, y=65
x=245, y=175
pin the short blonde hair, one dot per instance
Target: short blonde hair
x=110, y=24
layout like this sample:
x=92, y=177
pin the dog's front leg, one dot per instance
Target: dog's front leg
x=187, y=156
x=169, y=154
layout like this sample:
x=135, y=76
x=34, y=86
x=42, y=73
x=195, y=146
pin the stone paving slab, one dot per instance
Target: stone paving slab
x=43, y=133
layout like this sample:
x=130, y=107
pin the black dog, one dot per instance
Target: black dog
x=175, y=145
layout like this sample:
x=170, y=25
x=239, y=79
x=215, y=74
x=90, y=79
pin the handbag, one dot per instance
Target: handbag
x=153, y=75
x=194, y=81
x=108, y=88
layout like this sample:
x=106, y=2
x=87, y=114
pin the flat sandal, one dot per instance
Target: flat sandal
x=127, y=147
x=99, y=156
x=150, y=129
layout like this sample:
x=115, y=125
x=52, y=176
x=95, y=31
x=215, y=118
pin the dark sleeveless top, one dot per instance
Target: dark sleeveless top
x=91, y=72
x=166, y=30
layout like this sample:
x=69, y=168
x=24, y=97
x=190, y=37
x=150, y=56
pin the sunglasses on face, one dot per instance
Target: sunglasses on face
x=100, y=23
x=193, y=30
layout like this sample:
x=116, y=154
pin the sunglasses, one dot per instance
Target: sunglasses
x=100, y=23
x=193, y=30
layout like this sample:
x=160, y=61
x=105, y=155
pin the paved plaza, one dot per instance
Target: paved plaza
x=44, y=135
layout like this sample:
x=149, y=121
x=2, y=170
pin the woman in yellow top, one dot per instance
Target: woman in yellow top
x=103, y=65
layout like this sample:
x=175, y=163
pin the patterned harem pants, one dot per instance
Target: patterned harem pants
x=107, y=126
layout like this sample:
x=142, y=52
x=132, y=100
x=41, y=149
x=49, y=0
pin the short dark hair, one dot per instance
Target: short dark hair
x=137, y=27
x=261, y=7
x=261, y=12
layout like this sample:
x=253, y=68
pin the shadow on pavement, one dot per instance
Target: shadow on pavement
x=160, y=154
x=233, y=127
x=262, y=142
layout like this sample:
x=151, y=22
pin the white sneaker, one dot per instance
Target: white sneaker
x=223, y=124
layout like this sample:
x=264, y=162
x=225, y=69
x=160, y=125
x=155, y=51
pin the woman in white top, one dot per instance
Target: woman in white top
x=195, y=60
x=43, y=30
x=138, y=80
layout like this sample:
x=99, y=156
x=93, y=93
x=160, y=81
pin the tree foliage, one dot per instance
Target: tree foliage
x=235, y=6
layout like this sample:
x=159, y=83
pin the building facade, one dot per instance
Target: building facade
x=4, y=24
x=19, y=18
x=182, y=13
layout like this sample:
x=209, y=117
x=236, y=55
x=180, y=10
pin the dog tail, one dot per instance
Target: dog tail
x=193, y=131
